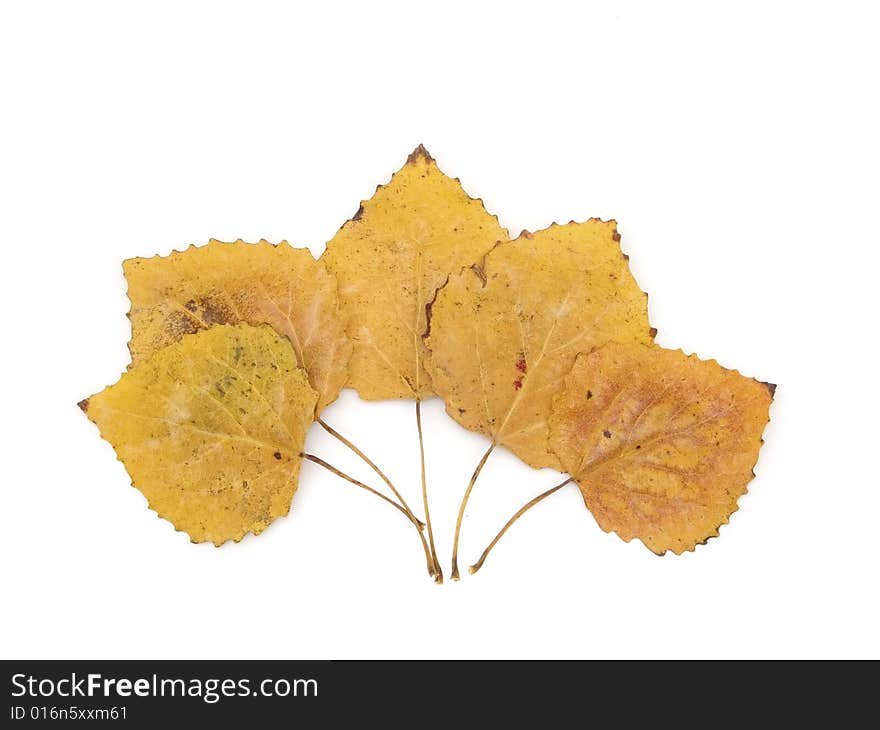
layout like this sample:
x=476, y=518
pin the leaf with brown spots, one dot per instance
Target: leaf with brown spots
x=211, y=429
x=391, y=258
x=255, y=283
x=504, y=334
x=661, y=444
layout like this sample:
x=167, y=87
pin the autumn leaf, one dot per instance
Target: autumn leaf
x=504, y=334
x=211, y=429
x=661, y=444
x=391, y=258
x=255, y=283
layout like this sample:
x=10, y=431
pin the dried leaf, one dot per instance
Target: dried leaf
x=391, y=258
x=504, y=334
x=227, y=283
x=661, y=444
x=211, y=429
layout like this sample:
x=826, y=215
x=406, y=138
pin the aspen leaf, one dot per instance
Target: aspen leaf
x=503, y=334
x=391, y=258
x=661, y=444
x=254, y=283
x=211, y=428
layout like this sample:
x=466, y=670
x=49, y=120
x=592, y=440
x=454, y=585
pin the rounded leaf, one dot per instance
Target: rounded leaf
x=661, y=444
x=211, y=429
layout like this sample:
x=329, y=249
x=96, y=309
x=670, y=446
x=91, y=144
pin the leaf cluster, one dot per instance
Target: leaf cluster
x=542, y=343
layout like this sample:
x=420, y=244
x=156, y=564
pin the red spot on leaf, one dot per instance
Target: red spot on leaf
x=517, y=384
x=521, y=365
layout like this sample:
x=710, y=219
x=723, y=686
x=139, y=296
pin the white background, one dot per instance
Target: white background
x=738, y=150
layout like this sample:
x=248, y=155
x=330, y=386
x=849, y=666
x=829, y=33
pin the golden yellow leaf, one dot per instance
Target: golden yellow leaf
x=211, y=429
x=504, y=334
x=391, y=258
x=661, y=444
x=255, y=283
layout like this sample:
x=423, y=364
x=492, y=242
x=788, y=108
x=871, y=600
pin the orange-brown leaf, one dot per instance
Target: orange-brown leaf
x=661, y=444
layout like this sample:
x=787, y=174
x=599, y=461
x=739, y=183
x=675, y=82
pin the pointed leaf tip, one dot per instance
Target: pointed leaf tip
x=419, y=153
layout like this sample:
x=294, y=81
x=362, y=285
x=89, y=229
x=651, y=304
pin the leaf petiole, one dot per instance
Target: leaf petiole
x=437, y=571
x=519, y=513
x=369, y=462
x=464, y=501
x=414, y=520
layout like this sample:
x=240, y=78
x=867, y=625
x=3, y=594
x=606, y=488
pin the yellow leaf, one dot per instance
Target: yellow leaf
x=211, y=429
x=661, y=444
x=391, y=258
x=255, y=283
x=504, y=334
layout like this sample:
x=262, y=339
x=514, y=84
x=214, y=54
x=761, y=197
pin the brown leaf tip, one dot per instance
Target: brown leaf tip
x=419, y=153
x=358, y=214
x=616, y=237
x=652, y=332
x=84, y=404
x=771, y=388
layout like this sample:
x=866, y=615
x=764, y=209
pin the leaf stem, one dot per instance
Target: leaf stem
x=519, y=513
x=464, y=501
x=369, y=462
x=416, y=523
x=437, y=571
